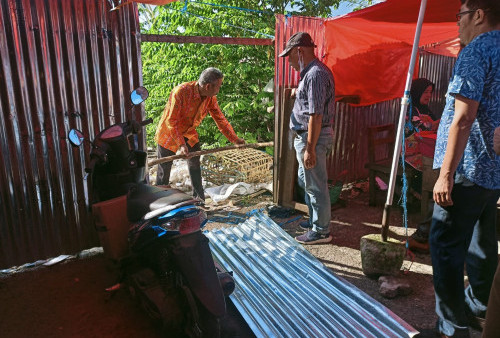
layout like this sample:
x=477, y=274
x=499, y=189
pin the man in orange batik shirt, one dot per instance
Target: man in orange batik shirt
x=187, y=106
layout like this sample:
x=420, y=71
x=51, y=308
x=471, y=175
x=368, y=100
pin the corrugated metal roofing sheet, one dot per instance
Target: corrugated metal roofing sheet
x=284, y=291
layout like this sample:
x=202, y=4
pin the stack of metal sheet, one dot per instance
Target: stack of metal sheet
x=284, y=291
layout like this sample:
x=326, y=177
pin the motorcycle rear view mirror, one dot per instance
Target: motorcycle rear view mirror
x=75, y=137
x=139, y=95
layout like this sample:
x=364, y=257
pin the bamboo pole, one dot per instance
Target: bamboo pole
x=209, y=151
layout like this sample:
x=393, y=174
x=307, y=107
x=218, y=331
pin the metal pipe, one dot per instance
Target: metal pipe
x=402, y=118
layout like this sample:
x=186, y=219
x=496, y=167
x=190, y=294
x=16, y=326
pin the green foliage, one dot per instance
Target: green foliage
x=247, y=69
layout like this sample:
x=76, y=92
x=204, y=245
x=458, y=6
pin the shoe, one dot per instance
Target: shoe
x=420, y=235
x=306, y=225
x=475, y=322
x=418, y=246
x=313, y=237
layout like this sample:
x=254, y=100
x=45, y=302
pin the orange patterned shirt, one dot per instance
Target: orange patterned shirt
x=184, y=112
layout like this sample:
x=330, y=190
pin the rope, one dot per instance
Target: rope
x=234, y=219
x=290, y=221
x=409, y=125
x=404, y=192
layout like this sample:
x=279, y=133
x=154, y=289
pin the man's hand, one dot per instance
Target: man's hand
x=309, y=159
x=183, y=150
x=442, y=190
x=239, y=141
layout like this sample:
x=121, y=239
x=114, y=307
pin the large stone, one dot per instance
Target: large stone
x=379, y=257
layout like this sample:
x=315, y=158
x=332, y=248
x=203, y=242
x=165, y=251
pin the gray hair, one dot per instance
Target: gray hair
x=210, y=75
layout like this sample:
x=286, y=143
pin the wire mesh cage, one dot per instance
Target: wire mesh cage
x=239, y=165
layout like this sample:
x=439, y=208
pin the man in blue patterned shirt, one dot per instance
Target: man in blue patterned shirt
x=311, y=123
x=468, y=187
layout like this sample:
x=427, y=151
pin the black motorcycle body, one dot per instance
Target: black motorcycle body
x=167, y=264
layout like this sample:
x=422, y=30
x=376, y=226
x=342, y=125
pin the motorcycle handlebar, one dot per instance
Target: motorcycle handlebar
x=146, y=122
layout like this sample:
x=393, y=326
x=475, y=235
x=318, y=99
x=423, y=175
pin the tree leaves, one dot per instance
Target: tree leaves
x=247, y=69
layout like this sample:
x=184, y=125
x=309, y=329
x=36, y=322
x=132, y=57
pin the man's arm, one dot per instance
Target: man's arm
x=496, y=141
x=223, y=124
x=176, y=105
x=465, y=114
x=314, y=129
x=317, y=93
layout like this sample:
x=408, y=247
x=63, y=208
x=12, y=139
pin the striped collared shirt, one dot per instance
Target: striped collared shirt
x=184, y=112
x=314, y=95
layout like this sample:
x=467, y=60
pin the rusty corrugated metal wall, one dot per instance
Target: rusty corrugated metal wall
x=63, y=64
x=350, y=141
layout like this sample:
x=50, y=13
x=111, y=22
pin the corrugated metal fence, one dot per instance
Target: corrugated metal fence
x=71, y=64
x=63, y=64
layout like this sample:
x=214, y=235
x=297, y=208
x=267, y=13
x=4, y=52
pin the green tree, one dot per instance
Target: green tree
x=247, y=69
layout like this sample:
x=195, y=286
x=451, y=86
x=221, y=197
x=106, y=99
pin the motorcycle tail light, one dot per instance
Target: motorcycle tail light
x=187, y=223
x=194, y=223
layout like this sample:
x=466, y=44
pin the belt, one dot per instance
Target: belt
x=300, y=132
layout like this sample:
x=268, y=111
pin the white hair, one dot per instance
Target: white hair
x=210, y=75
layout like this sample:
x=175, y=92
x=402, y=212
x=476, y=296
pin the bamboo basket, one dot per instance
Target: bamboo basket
x=238, y=165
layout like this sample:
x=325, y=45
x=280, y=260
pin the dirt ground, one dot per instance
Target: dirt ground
x=69, y=299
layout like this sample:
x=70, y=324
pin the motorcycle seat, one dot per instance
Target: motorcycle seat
x=146, y=201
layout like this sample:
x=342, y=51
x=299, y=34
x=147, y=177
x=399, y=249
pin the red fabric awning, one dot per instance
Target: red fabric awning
x=369, y=50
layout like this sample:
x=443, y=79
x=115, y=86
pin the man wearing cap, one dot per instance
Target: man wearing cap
x=311, y=124
x=189, y=103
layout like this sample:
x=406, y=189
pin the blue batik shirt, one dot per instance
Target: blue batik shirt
x=476, y=76
x=314, y=95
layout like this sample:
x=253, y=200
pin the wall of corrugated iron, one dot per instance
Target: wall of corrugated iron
x=350, y=141
x=63, y=64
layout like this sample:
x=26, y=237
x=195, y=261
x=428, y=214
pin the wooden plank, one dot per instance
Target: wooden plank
x=297, y=206
x=209, y=151
x=206, y=40
x=287, y=173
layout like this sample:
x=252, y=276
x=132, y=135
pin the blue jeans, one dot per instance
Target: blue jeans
x=315, y=181
x=464, y=233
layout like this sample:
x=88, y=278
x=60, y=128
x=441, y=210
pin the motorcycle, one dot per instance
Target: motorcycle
x=154, y=233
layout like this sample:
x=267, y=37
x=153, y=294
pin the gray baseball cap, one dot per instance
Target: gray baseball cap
x=301, y=39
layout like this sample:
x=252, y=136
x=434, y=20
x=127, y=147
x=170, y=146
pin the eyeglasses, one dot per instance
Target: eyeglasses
x=459, y=15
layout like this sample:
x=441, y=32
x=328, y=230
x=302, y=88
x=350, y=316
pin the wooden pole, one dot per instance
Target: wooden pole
x=209, y=151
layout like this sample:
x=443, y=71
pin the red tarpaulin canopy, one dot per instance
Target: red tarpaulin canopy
x=369, y=50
